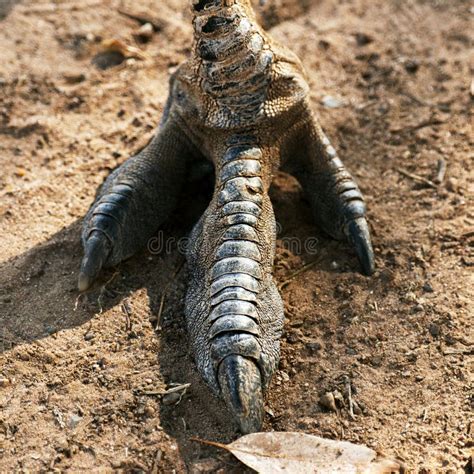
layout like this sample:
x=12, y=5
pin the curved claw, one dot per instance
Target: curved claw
x=357, y=232
x=96, y=251
x=241, y=388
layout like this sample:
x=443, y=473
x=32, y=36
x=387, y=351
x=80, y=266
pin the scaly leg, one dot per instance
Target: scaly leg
x=334, y=196
x=133, y=202
x=233, y=310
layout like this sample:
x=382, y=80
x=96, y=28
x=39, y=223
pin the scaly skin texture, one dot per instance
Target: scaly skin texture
x=240, y=102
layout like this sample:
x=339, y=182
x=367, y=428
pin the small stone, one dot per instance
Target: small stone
x=171, y=398
x=88, y=336
x=149, y=411
x=327, y=401
x=334, y=265
x=452, y=185
x=73, y=421
x=434, y=330
x=20, y=172
x=269, y=412
x=296, y=323
x=418, y=308
x=427, y=288
x=145, y=33
x=313, y=346
x=285, y=377
x=411, y=66
x=410, y=297
x=4, y=382
x=293, y=337
x=74, y=78
x=356, y=408
x=331, y=102
x=363, y=39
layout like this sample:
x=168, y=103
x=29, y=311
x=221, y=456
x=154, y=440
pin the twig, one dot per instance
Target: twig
x=415, y=177
x=441, y=171
x=209, y=443
x=182, y=387
x=349, y=397
x=425, y=123
x=78, y=299
x=415, y=99
x=303, y=269
x=128, y=320
x=103, y=289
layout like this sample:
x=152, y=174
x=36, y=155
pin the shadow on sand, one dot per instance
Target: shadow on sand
x=38, y=298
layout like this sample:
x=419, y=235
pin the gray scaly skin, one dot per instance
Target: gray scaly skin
x=240, y=102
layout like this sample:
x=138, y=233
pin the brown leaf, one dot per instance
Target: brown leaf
x=298, y=453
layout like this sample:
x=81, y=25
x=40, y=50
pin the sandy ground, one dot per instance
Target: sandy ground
x=81, y=378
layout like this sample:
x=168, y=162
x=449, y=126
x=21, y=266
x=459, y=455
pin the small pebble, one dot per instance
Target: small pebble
x=296, y=323
x=285, y=377
x=269, y=412
x=149, y=411
x=74, y=78
x=145, y=33
x=434, y=330
x=356, y=408
x=427, y=288
x=410, y=297
x=411, y=66
x=331, y=102
x=73, y=421
x=313, y=346
x=89, y=336
x=171, y=398
x=363, y=39
x=293, y=337
x=452, y=184
x=327, y=401
x=4, y=382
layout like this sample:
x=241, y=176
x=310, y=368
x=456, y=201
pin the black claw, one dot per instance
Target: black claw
x=241, y=387
x=357, y=231
x=96, y=251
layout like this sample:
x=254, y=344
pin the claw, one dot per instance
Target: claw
x=241, y=387
x=96, y=251
x=357, y=231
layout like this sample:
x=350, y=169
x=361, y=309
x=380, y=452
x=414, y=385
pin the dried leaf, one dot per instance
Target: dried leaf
x=269, y=453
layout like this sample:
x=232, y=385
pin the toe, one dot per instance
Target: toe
x=96, y=251
x=357, y=231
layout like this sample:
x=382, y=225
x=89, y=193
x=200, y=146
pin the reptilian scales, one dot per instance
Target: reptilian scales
x=241, y=103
